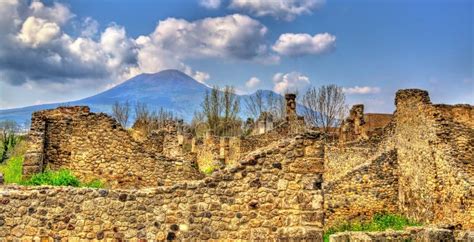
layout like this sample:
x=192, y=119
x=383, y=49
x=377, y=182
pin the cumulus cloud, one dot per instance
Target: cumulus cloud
x=252, y=82
x=361, y=90
x=233, y=36
x=34, y=47
x=289, y=82
x=89, y=27
x=36, y=31
x=304, y=44
x=279, y=9
x=57, y=13
x=210, y=4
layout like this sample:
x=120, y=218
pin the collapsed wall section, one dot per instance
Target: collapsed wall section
x=95, y=146
x=273, y=193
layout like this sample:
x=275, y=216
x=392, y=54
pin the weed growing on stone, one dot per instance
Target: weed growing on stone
x=379, y=222
x=208, y=170
x=93, y=184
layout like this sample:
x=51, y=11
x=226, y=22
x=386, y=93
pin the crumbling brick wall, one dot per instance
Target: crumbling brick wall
x=273, y=193
x=95, y=146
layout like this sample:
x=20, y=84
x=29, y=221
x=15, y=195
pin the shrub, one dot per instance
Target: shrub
x=62, y=177
x=379, y=222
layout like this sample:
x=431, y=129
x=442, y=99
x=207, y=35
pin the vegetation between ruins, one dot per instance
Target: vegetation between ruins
x=379, y=222
x=13, y=148
x=12, y=172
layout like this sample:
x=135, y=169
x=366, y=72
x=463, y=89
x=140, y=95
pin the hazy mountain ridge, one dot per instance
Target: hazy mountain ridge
x=169, y=89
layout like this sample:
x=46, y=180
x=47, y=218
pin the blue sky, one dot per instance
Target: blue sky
x=66, y=50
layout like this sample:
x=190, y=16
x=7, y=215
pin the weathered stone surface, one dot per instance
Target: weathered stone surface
x=279, y=185
x=266, y=203
x=421, y=167
x=95, y=146
x=411, y=234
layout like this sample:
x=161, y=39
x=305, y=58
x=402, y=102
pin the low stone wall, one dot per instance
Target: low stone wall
x=95, y=146
x=410, y=234
x=368, y=189
x=273, y=193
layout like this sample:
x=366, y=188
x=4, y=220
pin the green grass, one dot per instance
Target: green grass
x=12, y=173
x=93, y=184
x=379, y=222
x=12, y=170
x=54, y=178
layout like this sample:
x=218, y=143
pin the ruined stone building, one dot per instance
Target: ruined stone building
x=284, y=183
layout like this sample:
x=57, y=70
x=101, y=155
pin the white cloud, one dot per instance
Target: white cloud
x=252, y=82
x=36, y=31
x=304, y=44
x=200, y=76
x=89, y=27
x=234, y=36
x=35, y=48
x=211, y=4
x=57, y=13
x=361, y=90
x=279, y=9
x=289, y=82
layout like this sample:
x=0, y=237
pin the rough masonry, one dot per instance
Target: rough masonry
x=286, y=183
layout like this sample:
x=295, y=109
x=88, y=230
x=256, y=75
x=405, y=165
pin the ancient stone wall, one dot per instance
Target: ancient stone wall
x=95, y=146
x=432, y=169
x=368, y=189
x=435, y=154
x=361, y=126
x=228, y=150
x=339, y=160
x=273, y=193
x=420, y=234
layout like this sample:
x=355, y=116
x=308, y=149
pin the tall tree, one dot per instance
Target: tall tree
x=268, y=102
x=220, y=108
x=324, y=106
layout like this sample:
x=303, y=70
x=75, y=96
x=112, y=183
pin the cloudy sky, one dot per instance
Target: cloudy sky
x=65, y=50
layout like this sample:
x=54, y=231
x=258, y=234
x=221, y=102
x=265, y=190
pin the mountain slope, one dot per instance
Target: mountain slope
x=169, y=89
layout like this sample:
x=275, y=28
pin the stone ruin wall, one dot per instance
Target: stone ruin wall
x=360, y=126
x=435, y=146
x=422, y=166
x=228, y=150
x=273, y=193
x=432, y=169
x=368, y=189
x=422, y=234
x=95, y=146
